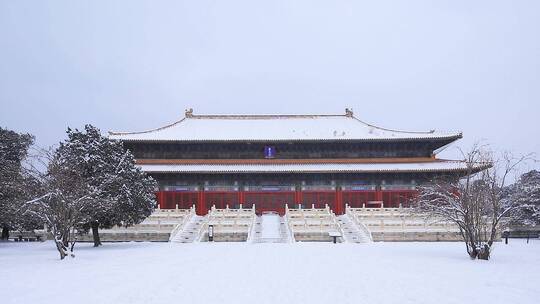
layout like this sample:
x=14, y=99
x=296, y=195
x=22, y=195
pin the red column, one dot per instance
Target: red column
x=378, y=195
x=200, y=208
x=159, y=198
x=339, y=201
x=298, y=197
x=241, y=198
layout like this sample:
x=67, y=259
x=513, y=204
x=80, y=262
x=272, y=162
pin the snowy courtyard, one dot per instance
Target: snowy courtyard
x=269, y=273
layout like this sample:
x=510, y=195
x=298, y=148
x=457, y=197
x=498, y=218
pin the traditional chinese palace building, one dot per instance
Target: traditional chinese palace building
x=273, y=160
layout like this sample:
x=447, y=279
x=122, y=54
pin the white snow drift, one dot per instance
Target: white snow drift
x=269, y=273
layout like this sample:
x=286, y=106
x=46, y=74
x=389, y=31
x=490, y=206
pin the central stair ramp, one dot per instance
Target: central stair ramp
x=270, y=228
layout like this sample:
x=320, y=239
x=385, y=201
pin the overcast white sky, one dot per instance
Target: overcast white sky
x=131, y=65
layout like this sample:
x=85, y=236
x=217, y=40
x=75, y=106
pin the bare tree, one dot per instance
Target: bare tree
x=475, y=201
x=62, y=203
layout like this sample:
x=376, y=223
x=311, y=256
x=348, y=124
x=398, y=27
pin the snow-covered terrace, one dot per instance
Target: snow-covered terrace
x=275, y=128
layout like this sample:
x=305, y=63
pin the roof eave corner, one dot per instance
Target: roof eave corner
x=454, y=136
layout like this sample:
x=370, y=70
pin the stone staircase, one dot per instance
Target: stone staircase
x=351, y=232
x=285, y=232
x=278, y=230
x=191, y=231
x=255, y=233
x=281, y=235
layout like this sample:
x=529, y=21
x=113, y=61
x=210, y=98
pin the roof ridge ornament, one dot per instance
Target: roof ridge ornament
x=189, y=113
x=349, y=112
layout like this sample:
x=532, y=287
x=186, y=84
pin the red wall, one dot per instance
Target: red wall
x=357, y=199
x=221, y=199
x=269, y=201
x=319, y=198
x=275, y=201
x=184, y=199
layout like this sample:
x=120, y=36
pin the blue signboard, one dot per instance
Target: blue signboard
x=361, y=187
x=270, y=188
x=269, y=152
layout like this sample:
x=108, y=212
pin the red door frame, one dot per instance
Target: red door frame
x=169, y=199
x=363, y=196
x=402, y=197
x=223, y=199
x=266, y=200
x=330, y=197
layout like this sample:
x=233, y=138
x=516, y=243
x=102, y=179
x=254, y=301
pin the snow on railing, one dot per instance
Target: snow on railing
x=337, y=224
x=313, y=220
x=252, y=224
x=228, y=220
x=358, y=223
x=200, y=235
x=289, y=231
x=391, y=219
x=180, y=227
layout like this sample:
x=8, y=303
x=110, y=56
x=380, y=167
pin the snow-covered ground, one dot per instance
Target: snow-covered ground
x=269, y=273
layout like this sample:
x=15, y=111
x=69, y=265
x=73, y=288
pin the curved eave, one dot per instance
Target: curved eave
x=477, y=168
x=455, y=167
x=450, y=138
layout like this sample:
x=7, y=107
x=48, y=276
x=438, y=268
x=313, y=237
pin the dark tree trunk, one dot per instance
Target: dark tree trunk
x=61, y=249
x=95, y=234
x=473, y=253
x=5, y=233
x=65, y=238
x=60, y=240
x=484, y=252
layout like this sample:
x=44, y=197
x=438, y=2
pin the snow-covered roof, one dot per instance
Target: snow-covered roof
x=274, y=128
x=435, y=166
